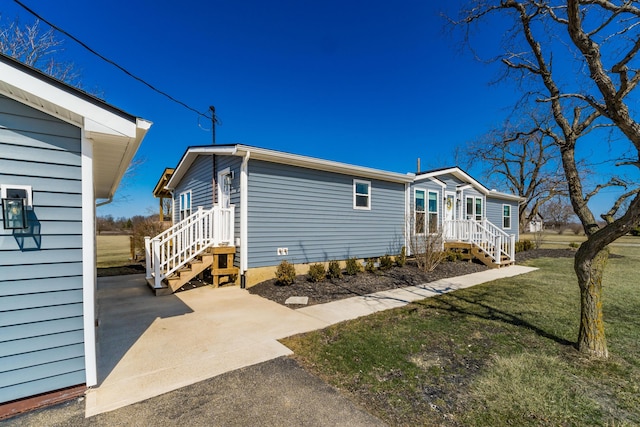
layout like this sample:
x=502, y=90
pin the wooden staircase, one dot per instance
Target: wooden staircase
x=218, y=259
x=474, y=251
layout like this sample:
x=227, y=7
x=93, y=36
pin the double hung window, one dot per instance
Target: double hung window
x=361, y=194
x=185, y=204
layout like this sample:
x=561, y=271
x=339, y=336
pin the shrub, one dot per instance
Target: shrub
x=334, y=272
x=285, y=273
x=386, y=263
x=635, y=231
x=370, y=265
x=452, y=255
x=353, y=267
x=524, y=245
x=401, y=258
x=574, y=245
x=317, y=273
x=428, y=251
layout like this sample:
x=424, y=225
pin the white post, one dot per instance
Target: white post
x=156, y=263
x=512, y=248
x=147, y=256
x=497, y=249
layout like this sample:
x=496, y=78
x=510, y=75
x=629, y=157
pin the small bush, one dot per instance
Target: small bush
x=452, y=255
x=401, y=258
x=317, y=273
x=386, y=263
x=635, y=231
x=370, y=265
x=334, y=271
x=285, y=273
x=573, y=245
x=353, y=267
x=524, y=245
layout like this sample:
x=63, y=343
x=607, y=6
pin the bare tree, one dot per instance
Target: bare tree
x=38, y=48
x=557, y=213
x=521, y=156
x=579, y=58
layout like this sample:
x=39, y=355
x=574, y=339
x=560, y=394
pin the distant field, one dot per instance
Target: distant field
x=113, y=251
x=552, y=240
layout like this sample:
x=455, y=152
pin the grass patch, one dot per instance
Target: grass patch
x=113, y=250
x=495, y=354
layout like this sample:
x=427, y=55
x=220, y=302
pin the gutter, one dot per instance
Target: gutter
x=105, y=202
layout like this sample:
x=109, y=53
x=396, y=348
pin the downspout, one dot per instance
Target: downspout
x=244, y=218
x=407, y=217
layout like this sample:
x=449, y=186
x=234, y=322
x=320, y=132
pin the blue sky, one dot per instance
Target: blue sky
x=364, y=82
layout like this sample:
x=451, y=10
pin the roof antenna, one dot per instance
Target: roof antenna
x=418, y=164
x=214, y=120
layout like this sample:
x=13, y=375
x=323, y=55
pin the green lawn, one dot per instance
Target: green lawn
x=113, y=250
x=495, y=354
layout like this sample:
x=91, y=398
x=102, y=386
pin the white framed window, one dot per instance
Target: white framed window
x=361, y=194
x=433, y=212
x=185, y=204
x=420, y=214
x=506, y=217
x=474, y=208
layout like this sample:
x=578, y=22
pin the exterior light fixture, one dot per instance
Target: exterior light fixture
x=14, y=214
x=15, y=202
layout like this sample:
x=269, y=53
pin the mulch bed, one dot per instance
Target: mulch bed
x=367, y=283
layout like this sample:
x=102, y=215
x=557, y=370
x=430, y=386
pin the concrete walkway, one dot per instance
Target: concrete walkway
x=152, y=345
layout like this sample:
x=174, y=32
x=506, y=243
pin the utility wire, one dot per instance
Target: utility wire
x=124, y=70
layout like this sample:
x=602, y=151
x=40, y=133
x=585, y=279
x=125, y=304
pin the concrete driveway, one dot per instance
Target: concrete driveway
x=151, y=345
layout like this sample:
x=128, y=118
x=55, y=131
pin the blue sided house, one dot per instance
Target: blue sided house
x=240, y=210
x=62, y=151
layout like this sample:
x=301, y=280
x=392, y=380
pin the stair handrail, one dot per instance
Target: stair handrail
x=485, y=235
x=180, y=244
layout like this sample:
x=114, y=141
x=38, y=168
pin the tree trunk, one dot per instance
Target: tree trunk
x=590, y=269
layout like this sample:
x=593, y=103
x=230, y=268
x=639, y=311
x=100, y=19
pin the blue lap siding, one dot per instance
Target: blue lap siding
x=311, y=213
x=41, y=299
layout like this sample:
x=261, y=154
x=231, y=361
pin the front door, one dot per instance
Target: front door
x=225, y=178
x=449, y=214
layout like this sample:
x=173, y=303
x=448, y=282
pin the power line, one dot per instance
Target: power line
x=124, y=70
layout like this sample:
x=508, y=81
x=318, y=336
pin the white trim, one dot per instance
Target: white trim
x=356, y=194
x=89, y=280
x=244, y=200
x=284, y=158
x=510, y=216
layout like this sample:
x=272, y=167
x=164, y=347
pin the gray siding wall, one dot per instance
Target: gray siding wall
x=41, y=325
x=494, y=214
x=198, y=179
x=311, y=213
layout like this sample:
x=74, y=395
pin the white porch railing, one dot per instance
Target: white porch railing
x=485, y=235
x=178, y=245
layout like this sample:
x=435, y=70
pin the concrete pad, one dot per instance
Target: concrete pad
x=297, y=300
x=151, y=345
